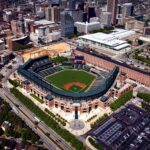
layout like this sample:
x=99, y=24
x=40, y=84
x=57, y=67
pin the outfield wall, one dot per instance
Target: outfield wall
x=107, y=63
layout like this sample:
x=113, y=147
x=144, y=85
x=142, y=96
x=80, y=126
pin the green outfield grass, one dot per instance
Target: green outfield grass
x=66, y=76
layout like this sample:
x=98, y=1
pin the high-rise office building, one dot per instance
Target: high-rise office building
x=127, y=9
x=21, y=24
x=48, y=13
x=72, y=4
x=67, y=24
x=106, y=18
x=112, y=7
x=55, y=14
x=80, y=5
x=54, y=2
x=84, y=16
x=91, y=12
x=77, y=15
x=7, y=16
x=64, y=4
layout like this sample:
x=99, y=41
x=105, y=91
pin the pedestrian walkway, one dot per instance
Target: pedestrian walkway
x=70, y=116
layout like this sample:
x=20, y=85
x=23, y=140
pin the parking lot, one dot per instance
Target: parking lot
x=128, y=129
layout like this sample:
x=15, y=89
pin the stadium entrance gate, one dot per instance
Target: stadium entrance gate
x=76, y=110
x=76, y=113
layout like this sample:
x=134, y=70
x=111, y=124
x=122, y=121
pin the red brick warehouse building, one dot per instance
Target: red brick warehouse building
x=133, y=73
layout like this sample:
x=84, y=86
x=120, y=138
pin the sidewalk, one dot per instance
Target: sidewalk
x=89, y=145
x=78, y=132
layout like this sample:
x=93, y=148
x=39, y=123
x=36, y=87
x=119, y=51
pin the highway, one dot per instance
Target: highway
x=50, y=138
x=24, y=116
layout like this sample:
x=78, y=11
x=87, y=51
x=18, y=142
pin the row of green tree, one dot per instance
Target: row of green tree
x=78, y=145
x=94, y=144
x=144, y=96
x=59, y=59
x=93, y=125
x=121, y=100
x=91, y=118
x=15, y=83
x=142, y=59
x=56, y=117
x=106, y=30
x=37, y=98
x=22, y=47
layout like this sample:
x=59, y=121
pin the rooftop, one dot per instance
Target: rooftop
x=43, y=22
x=87, y=23
x=1, y=42
x=20, y=38
x=113, y=39
x=49, y=97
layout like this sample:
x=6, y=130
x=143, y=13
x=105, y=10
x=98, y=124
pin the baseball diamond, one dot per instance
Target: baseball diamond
x=71, y=80
x=75, y=86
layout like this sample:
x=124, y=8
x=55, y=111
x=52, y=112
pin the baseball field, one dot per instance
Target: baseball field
x=71, y=80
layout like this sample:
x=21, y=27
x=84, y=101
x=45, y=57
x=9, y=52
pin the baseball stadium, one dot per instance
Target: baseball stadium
x=77, y=87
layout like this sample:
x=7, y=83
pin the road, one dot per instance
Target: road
x=24, y=116
x=51, y=139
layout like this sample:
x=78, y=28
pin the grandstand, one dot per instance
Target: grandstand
x=36, y=69
x=97, y=83
x=49, y=71
x=86, y=68
x=101, y=75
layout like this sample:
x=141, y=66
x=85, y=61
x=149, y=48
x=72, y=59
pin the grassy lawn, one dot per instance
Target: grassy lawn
x=66, y=76
x=15, y=83
x=37, y=98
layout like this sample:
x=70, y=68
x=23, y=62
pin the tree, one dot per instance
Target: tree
x=144, y=96
x=17, y=135
x=1, y=132
x=1, y=147
x=34, y=137
x=1, y=76
x=26, y=135
x=4, y=142
x=15, y=83
x=140, y=42
x=9, y=131
x=9, y=67
x=129, y=41
x=14, y=62
x=121, y=100
x=59, y=59
x=22, y=47
x=93, y=125
x=93, y=143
